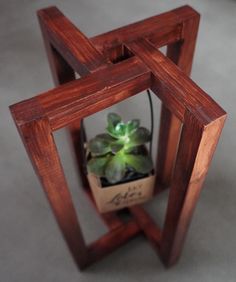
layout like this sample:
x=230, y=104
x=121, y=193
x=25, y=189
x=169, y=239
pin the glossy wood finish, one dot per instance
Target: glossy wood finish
x=203, y=121
x=39, y=143
x=114, y=66
x=181, y=53
x=197, y=146
x=62, y=73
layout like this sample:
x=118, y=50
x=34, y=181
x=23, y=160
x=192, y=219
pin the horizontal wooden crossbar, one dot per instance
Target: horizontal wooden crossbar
x=70, y=41
x=114, y=66
x=82, y=97
x=112, y=240
x=85, y=57
x=113, y=83
x=176, y=90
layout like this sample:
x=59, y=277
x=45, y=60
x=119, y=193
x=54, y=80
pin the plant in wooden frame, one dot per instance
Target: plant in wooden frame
x=190, y=127
x=119, y=165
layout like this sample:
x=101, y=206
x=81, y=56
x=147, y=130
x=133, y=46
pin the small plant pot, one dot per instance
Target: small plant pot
x=122, y=195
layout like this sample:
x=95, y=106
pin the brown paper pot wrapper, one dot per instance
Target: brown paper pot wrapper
x=119, y=196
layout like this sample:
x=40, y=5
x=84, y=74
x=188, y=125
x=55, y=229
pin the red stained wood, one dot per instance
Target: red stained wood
x=80, y=98
x=111, y=219
x=62, y=73
x=181, y=53
x=197, y=146
x=70, y=41
x=41, y=148
x=168, y=140
x=112, y=240
x=182, y=92
x=116, y=65
x=147, y=224
x=161, y=30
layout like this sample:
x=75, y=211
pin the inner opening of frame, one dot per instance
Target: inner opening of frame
x=136, y=107
x=119, y=54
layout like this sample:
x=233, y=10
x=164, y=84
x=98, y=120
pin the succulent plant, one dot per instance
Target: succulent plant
x=114, y=153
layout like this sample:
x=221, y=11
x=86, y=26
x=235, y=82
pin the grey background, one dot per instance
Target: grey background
x=31, y=246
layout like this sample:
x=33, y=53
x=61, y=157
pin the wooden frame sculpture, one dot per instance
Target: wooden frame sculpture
x=114, y=66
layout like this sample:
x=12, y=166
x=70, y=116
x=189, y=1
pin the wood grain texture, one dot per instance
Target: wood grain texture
x=197, y=146
x=112, y=240
x=181, y=53
x=168, y=141
x=161, y=30
x=39, y=143
x=182, y=92
x=62, y=73
x=80, y=98
x=76, y=48
x=111, y=219
x=114, y=66
x=203, y=121
x=151, y=230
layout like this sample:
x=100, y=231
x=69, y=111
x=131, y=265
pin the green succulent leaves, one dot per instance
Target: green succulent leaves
x=142, y=164
x=97, y=165
x=139, y=136
x=115, y=169
x=112, y=153
x=99, y=147
x=113, y=119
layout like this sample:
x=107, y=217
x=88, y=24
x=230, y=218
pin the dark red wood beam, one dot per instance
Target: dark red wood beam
x=120, y=81
x=104, y=84
x=83, y=97
x=111, y=241
x=151, y=230
x=161, y=30
x=86, y=56
x=69, y=41
x=176, y=90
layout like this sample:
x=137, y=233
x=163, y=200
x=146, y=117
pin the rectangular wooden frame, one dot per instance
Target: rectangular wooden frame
x=191, y=122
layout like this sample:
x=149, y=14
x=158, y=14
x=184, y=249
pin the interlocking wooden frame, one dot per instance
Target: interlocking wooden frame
x=114, y=66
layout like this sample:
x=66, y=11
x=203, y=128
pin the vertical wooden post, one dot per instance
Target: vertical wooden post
x=62, y=73
x=197, y=146
x=42, y=151
x=60, y=69
x=181, y=164
x=181, y=53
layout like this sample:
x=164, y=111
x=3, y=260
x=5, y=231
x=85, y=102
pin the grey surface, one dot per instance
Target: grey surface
x=31, y=246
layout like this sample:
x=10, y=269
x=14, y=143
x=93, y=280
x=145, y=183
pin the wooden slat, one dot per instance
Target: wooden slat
x=148, y=226
x=165, y=29
x=181, y=53
x=36, y=118
x=197, y=146
x=62, y=73
x=71, y=42
x=173, y=86
x=168, y=140
x=161, y=30
x=111, y=241
x=95, y=93
x=203, y=121
x=111, y=219
x=42, y=151
x=80, y=98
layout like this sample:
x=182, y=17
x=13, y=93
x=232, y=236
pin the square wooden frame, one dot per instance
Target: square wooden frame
x=191, y=122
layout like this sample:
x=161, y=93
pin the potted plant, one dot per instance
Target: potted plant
x=120, y=169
